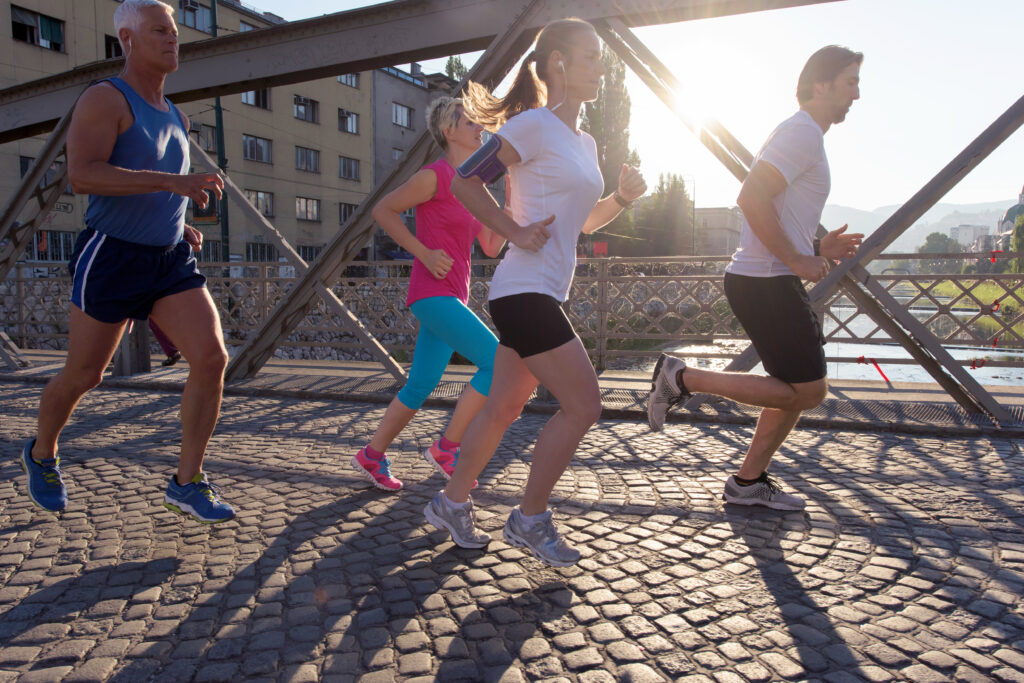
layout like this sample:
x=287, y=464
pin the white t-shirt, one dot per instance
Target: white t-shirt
x=558, y=176
x=797, y=149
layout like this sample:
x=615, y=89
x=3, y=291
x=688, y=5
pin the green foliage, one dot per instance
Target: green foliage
x=664, y=219
x=607, y=121
x=937, y=243
x=1017, y=245
x=455, y=69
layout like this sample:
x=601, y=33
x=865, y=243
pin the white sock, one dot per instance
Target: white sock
x=452, y=504
x=530, y=520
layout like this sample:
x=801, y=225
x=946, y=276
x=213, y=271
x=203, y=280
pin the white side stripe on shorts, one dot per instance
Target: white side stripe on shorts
x=88, y=265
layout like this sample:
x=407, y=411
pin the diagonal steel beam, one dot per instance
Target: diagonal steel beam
x=933, y=357
x=349, y=320
x=15, y=235
x=360, y=39
x=495, y=63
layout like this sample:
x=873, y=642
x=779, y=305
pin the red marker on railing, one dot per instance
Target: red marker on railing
x=994, y=342
x=864, y=360
x=995, y=306
x=993, y=253
x=976, y=364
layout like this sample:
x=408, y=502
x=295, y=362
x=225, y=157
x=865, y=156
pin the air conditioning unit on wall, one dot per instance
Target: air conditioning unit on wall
x=190, y=4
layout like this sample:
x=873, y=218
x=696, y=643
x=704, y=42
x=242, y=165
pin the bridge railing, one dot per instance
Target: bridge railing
x=625, y=310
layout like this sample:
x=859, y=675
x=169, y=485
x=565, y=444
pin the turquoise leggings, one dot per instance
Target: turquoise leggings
x=446, y=325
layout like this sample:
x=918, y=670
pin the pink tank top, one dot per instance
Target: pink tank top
x=443, y=223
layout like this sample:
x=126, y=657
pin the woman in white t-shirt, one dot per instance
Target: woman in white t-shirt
x=555, y=194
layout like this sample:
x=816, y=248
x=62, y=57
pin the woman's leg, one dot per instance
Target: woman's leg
x=566, y=371
x=513, y=383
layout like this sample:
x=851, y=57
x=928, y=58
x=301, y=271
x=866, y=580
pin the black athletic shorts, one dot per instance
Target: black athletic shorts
x=776, y=314
x=530, y=323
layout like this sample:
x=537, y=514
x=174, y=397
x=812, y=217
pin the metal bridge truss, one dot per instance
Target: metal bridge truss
x=354, y=41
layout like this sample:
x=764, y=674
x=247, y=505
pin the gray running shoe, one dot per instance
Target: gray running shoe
x=459, y=522
x=664, y=391
x=767, y=491
x=542, y=539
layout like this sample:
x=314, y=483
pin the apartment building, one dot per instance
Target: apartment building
x=303, y=153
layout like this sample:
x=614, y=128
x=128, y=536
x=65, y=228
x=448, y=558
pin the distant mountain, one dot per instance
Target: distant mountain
x=940, y=218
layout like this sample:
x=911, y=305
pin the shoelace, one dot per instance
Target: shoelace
x=770, y=488
x=51, y=474
x=209, y=490
x=384, y=467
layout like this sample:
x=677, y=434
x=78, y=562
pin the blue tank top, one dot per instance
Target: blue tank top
x=156, y=141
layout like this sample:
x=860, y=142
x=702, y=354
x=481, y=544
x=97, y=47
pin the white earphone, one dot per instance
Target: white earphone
x=562, y=67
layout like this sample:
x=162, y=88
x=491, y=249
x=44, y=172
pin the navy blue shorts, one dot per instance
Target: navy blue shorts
x=113, y=280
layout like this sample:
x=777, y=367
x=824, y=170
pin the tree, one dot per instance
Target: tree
x=455, y=69
x=607, y=121
x=1017, y=244
x=937, y=243
x=664, y=219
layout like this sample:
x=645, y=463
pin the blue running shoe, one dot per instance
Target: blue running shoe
x=197, y=499
x=45, y=484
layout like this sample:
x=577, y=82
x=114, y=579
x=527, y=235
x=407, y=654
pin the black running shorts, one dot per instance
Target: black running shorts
x=530, y=323
x=777, y=316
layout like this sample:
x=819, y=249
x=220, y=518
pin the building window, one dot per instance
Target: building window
x=396, y=153
x=243, y=27
x=348, y=168
x=309, y=253
x=206, y=136
x=25, y=163
x=256, y=149
x=348, y=121
x=401, y=115
x=210, y=214
x=307, y=159
x=351, y=80
x=37, y=29
x=263, y=201
x=112, y=47
x=257, y=98
x=307, y=209
x=345, y=211
x=260, y=251
x=210, y=251
x=196, y=16
x=51, y=245
x=307, y=109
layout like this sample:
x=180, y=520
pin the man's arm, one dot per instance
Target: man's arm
x=756, y=200
x=100, y=115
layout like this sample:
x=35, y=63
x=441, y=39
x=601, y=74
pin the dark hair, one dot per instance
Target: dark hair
x=824, y=66
x=528, y=90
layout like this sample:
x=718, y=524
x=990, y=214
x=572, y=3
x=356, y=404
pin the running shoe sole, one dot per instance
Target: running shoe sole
x=173, y=507
x=518, y=542
x=650, y=397
x=437, y=466
x=757, y=502
x=369, y=477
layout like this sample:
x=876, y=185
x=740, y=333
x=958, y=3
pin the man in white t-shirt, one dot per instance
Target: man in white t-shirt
x=782, y=200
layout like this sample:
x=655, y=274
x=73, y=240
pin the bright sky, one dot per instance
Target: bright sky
x=936, y=74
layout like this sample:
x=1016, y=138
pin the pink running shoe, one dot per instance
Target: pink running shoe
x=442, y=460
x=378, y=472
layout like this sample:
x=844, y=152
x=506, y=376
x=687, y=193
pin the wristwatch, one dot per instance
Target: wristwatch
x=621, y=201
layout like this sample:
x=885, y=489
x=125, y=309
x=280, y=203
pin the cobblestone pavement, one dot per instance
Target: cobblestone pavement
x=907, y=565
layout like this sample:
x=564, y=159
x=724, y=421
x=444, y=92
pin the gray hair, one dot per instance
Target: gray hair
x=129, y=15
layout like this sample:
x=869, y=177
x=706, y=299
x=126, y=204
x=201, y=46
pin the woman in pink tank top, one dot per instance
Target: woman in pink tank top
x=438, y=292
